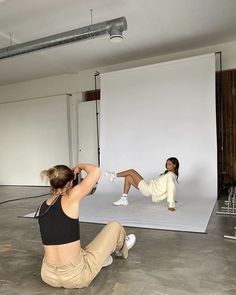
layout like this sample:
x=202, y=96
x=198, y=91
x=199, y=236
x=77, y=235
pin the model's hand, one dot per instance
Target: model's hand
x=171, y=209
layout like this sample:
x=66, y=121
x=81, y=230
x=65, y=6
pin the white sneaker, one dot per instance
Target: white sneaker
x=108, y=261
x=110, y=175
x=121, y=202
x=130, y=241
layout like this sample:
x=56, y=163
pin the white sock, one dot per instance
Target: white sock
x=125, y=195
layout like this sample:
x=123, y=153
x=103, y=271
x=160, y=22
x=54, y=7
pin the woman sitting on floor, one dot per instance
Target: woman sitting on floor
x=65, y=263
x=160, y=188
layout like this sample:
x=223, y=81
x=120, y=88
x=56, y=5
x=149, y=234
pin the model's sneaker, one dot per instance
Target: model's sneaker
x=121, y=202
x=110, y=175
x=108, y=261
x=130, y=241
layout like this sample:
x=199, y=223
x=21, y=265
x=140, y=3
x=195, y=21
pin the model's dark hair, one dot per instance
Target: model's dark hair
x=176, y=163
x=58, y=176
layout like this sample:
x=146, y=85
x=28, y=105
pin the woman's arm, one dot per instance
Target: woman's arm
x=87, y=184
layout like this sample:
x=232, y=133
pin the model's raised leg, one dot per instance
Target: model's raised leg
x=132, y=178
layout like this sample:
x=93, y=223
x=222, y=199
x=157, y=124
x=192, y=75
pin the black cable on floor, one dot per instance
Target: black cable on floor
x=32, y=197
x=76, y=181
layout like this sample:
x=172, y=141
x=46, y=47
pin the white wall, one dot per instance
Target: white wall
x=34, y=136
x=84, y=80
x=87, y=132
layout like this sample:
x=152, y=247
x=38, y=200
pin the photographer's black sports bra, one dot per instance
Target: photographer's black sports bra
x=56, y=227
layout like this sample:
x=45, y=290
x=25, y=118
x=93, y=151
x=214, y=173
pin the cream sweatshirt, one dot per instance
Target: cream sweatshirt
x=164, y=187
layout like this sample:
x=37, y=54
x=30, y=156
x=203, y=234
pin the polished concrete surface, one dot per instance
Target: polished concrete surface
x=160, y=263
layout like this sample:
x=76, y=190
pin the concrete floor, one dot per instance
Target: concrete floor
x=161, y=262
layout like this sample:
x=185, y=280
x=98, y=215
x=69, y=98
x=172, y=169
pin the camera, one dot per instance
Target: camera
x=78, y=179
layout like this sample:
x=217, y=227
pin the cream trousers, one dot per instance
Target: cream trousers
x=85, y=267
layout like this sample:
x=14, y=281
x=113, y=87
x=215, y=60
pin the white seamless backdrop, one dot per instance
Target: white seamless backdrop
x=154, y=112
x=151, y=113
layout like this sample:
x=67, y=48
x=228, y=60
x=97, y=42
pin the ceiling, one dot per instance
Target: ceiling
x=155, y=27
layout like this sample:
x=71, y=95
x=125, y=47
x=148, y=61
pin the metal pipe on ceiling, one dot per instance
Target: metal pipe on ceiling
x=89, y=32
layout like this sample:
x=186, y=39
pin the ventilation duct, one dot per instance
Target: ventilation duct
x=117, y=25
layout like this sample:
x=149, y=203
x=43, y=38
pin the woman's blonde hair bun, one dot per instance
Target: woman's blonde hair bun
x=58, y=176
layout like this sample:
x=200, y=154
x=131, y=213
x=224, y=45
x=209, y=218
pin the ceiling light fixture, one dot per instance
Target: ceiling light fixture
x=113, y=27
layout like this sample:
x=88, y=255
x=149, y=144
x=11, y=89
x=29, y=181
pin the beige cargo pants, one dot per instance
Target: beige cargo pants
x=88, y=263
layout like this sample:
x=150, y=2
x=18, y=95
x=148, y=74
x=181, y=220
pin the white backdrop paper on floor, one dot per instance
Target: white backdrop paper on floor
x=148, y=114
x=151, y=113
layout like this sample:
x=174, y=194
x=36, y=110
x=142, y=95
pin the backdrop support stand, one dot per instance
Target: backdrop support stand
x=96, y=75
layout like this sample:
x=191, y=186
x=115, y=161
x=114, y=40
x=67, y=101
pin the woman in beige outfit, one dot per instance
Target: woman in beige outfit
x=65, y=263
